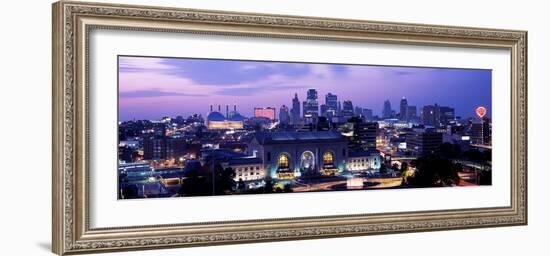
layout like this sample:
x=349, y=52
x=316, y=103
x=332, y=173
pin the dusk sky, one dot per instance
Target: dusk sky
x=150, y=88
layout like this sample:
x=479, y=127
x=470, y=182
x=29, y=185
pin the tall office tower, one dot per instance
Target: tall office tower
x=387, y=112
x=411, y=114
x=324, y=110
x=358, y=111
x=431, y=115
x=311, y=107
x=284, y=115
x=364, y=134
x=446, y=114
x=424, y=142
x=295, y=111
x=367, y=113
x=480, y=131
x=331, y=101
x=403, y=109
x=347, y=110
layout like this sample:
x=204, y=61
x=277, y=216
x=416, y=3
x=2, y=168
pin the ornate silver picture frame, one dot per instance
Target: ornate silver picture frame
x=72, y=24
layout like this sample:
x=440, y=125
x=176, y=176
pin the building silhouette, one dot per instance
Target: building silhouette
x=423, y=142
x=431, y=115
x=284, y=115
x=403, y=109
x=480, y=131
x=311, y=107
x=437, y=116
x=446, y=115
x=387, y=111
x=347, y=110
x=367, y=114
x=331, y=102
x=364, y=134
x=411, y=114
x=295, y=110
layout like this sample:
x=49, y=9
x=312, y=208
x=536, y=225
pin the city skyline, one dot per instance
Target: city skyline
x=150, y=88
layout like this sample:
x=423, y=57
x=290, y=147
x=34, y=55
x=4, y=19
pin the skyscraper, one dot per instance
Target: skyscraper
x=411, y=114
x=295, y=111
x=364, y=134
x=431, y=115
x=447, y=114
x=311, y=107
x=480, y=131
x=284, y=115
x=358, y=111
x=347, y=110
x=331, y=102
x=403, y=109
x=367, y=113
x=424, y=142
x=435, y=115
x=324, y=110
x=387, y=112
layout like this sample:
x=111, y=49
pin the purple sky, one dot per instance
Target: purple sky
x=150, y=88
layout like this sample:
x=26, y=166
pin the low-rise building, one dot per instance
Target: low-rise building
x=363, y=160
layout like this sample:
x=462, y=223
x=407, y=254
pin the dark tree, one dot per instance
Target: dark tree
x=486, y=155
x=473, y=155
x=395, y=167
x=241, y=186
x=130, y=192
x=195, y=185
x=485, y=177
x=404, y=167
x=383, y=168
x=451, y=151
x=224, y=180
x=433, y=170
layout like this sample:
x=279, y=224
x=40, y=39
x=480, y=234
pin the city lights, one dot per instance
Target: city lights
x=293, y=137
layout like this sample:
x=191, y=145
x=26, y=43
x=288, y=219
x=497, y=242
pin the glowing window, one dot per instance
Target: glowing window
x=283, y=161
x=328, y=158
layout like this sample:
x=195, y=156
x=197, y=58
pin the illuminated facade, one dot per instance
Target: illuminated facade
x=363, y=160
x=217, y=121
x=287, y=155
x=247, y=168
x=265, y=112
x=311, y=107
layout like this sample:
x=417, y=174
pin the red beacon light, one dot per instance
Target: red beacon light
x=481, y=111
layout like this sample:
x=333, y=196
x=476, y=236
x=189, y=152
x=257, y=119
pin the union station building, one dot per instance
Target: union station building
x=286, y=155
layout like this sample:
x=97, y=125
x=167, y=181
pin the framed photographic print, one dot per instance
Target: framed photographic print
x=179, y=127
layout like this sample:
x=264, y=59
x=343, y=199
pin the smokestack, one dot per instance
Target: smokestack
x=235, y=107
x=219, y=108
x=227, y=111
x=211, y=108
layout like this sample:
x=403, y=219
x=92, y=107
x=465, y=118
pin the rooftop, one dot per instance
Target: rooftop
x=245, y=160
x=292, y=137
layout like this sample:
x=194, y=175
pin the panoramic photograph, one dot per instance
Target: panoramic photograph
x=209, y=127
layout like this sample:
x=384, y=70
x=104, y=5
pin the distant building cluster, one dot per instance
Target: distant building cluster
x=306, y=139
